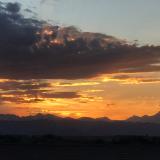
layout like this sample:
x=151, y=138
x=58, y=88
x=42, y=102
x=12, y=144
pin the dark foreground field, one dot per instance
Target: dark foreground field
x=120, y=152
x=79, y=148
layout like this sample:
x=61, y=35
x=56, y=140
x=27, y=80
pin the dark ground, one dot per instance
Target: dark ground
x=119, y=152
x=79, y=148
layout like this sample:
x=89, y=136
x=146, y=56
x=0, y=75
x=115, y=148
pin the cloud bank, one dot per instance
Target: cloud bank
x=34, y=49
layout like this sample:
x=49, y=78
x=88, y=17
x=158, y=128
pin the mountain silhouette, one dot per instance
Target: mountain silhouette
x=39, y=116
x=9, y=117
x=149, y=119
x=51, y=124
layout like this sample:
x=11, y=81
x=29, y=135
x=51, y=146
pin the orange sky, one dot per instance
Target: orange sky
x=104, y=96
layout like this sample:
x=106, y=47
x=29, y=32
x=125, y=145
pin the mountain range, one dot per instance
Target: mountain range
x=10, y=117
x=51, y=124
x=149, y=119
x=144, y=119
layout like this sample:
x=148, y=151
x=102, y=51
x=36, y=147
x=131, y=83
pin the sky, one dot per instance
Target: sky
x=79, y=58
x=132, y=20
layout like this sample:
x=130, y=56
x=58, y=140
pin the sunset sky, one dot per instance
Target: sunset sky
x=80, y=58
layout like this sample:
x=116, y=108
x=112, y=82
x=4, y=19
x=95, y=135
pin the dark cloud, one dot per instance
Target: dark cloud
x=35, y=96
x=19, y=100
x=13, y=7
x=68, y=95
x=27, y=54
x=22, y=91
x=137, y=78
x=31, y=91
x=121, y=77
x=24, y=85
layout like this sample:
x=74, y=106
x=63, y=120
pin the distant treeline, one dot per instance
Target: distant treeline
x=57, y=140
